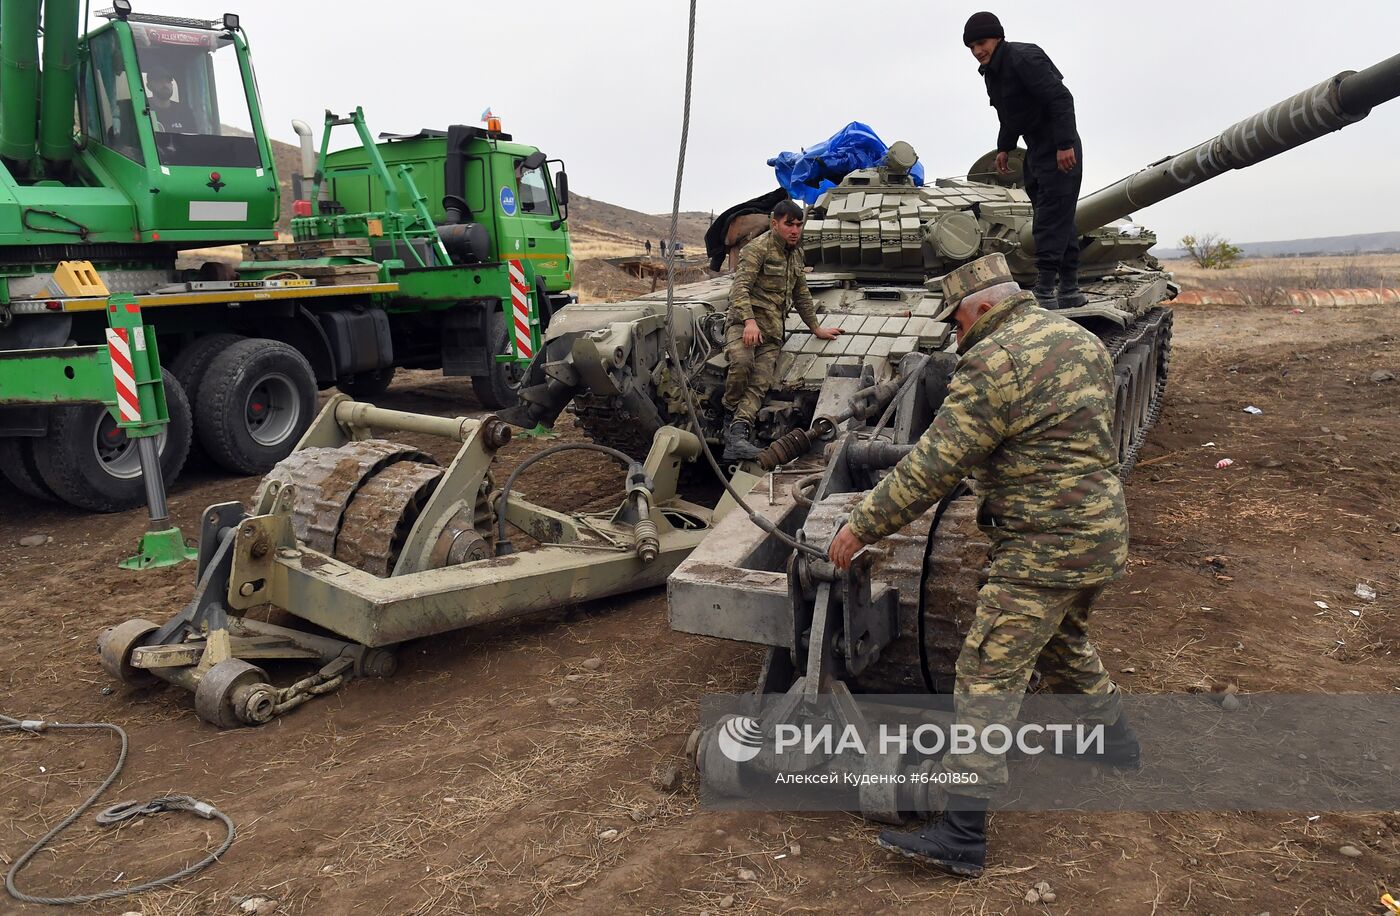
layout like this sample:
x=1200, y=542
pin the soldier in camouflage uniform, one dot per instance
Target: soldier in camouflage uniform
x=1029, y=416
x=771, y=279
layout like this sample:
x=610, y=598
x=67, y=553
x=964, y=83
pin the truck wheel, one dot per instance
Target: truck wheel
x=364, y=386
x=257, y=398
x=193, y=361
x=497, y=389
x=18, y=465
x=90, y=462
x=190, y=365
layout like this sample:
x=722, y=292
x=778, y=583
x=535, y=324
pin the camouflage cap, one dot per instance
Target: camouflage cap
x=983, y=273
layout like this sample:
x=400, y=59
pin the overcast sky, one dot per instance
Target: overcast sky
x=599, y=84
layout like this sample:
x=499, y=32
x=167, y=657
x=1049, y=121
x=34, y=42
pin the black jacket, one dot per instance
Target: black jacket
x=1031, y=100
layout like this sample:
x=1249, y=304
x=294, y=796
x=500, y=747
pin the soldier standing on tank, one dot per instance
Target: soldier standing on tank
x=1036, y=431
x=648, y=247
x=770, y=280
x=1031, y=100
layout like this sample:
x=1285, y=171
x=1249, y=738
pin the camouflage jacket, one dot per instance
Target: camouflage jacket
x=1029, y=416
x=771, y=279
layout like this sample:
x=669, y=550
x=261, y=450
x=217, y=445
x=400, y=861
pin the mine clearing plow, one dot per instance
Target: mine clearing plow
x=370, y=544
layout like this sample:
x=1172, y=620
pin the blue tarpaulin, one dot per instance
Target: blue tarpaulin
x=807, y=174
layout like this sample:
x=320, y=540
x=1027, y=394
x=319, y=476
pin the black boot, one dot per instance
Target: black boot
x=956, y=844
x=1044, y=291
x=1120, y=748
x=1069, y=295
x=738, y=441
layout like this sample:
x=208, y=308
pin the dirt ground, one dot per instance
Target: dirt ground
x=457, y=786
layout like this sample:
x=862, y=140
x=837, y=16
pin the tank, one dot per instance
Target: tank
x=877, y=245
x=895, y=622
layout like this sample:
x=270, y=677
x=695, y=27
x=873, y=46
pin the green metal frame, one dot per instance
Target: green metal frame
x=398, y=224
x=83, y=375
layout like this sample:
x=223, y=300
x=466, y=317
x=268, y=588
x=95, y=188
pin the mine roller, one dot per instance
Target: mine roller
x=894, y=623
x=365, y=543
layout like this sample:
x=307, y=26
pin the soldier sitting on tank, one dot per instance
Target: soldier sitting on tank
x=1037, y=433
x=1031, y=100
x=771, y=279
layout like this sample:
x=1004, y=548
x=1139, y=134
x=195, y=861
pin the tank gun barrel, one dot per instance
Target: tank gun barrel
x=1329, y=106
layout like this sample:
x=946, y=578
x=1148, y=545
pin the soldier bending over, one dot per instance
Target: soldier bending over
x=1029, y=415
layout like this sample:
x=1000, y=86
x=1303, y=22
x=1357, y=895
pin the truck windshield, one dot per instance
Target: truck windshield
x=194, y=92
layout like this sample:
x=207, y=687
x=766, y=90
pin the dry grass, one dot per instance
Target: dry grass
x=1258, y=277
x=587, y=245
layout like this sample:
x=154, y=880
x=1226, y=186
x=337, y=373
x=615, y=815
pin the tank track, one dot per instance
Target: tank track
x=326, y=479
x=380, y=515
x=1141, y=354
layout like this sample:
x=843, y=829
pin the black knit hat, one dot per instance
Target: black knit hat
x=982, y=25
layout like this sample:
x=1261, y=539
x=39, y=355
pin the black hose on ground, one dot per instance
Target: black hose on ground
x=112, y=815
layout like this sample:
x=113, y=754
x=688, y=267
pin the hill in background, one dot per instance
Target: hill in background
x=1366, y=243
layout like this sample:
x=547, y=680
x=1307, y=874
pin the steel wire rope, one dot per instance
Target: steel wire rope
x=115, y=814
x=673, y=351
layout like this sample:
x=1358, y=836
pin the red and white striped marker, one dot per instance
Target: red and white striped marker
x=520, y=310
x=128, y=404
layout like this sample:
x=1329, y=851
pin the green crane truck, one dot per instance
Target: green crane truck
x=144, y=138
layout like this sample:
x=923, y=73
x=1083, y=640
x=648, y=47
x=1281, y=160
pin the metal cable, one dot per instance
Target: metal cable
x=621, y=457
x=672, y=350
x=112, y=815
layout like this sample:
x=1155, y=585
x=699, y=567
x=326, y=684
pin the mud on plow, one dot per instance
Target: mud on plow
x=368, y=544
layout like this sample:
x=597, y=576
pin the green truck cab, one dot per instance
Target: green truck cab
x=202, y=176
x=144, y=139
x=509, y=189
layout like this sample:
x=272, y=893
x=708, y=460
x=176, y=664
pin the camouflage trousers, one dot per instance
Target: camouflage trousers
x=751, y=373
x=1019, y=628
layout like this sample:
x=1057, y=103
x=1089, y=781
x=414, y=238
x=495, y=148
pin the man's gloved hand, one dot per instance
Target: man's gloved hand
x=752, y=335
x=843, y=547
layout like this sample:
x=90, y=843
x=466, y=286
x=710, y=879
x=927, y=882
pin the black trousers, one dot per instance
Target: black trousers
x=1054, y=195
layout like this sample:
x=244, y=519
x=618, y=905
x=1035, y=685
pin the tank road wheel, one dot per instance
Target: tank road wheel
x=89, y=462
x=19, y=468
x=233, y=693
x=496, y=390
x=365, y=386
x=255, y=401
x=114, y=649
x=1123, y=425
